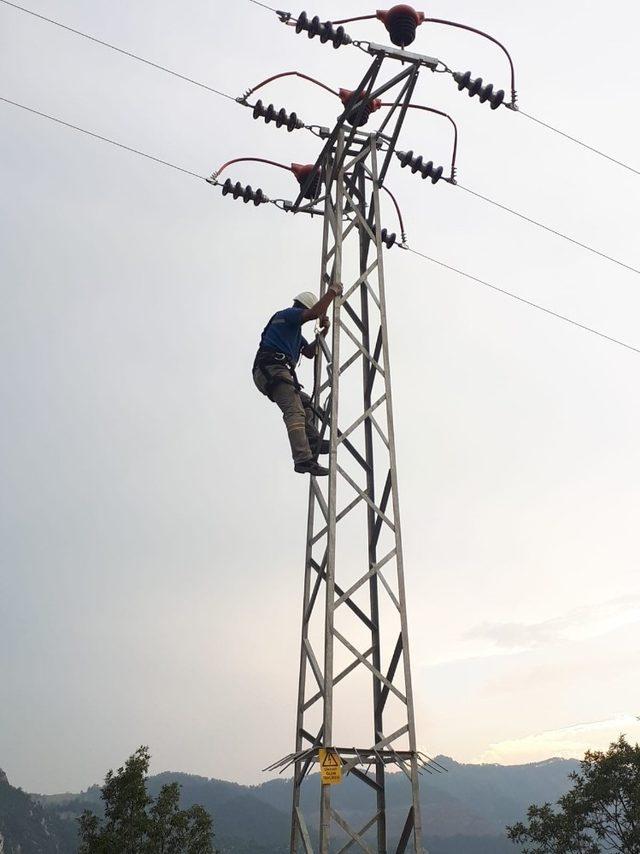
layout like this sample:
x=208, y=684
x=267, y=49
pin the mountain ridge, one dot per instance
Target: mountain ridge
x=465, y=808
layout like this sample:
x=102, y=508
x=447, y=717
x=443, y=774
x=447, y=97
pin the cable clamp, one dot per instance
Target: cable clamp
x=361, y=45
x=213, y=179
x=319, y=131
x=284, y=205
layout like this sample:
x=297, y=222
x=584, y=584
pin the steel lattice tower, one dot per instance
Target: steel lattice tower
x=369, y=483
x=354, y=654
x=355, y=700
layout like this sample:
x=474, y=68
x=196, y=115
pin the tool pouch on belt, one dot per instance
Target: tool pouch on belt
x=272, y=366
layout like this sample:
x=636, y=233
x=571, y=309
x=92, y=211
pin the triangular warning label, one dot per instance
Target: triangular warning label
x=330, y=766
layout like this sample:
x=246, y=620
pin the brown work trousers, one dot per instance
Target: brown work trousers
x=277, y=383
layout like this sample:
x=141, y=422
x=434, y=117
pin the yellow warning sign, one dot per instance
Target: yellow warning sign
x=330, y=766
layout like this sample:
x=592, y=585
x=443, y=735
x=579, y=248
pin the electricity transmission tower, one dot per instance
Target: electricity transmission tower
x=355, y=714
x=355, y=694
x=364, y=589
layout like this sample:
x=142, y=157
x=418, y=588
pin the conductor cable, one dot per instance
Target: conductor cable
x=524, y=301
x=479, y=281
x=102, y=138
x=264, y=6
x=549, y=229
x=579, y=142
x=119, y=50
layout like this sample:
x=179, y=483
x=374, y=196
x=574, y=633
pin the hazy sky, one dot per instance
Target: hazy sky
x=152, y=529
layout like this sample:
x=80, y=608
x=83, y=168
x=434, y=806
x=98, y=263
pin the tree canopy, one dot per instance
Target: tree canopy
x=599, y=815
x=134, y=823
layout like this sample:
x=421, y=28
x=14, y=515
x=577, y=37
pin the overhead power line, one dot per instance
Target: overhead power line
x=211, y=89
x=524, y=301
x=549, y=229
x=512, y=106
x=170, y=165
x=208, y=88
x=264, y=6
x=102, y=138
x=119, y=50
x=579, y=142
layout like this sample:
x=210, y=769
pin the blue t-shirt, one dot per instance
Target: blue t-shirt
x=284, y=333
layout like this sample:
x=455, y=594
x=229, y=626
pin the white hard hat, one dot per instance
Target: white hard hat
x=307, y=299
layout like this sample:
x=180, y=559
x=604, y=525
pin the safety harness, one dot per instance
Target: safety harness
x=266, y=358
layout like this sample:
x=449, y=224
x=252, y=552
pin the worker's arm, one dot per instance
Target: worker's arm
x=309, y=350
x=320, y=308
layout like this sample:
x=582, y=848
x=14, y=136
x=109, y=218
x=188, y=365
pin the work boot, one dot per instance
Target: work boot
x=311, y=467
x=320, y=447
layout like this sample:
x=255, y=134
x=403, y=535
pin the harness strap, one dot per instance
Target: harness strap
x=271, y=381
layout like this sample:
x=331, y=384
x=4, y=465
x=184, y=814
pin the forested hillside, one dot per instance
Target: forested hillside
x=465, y=809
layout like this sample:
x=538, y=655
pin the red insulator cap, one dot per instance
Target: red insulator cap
x=302, y=171
x=401, y=23
x=401, y=9
x=346, y=94
x=307, y=176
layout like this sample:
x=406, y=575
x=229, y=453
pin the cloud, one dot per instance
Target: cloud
x=491, y=640
x=502, y=639
x=570, y=742
x=578, y=624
